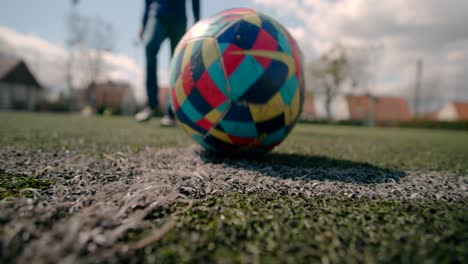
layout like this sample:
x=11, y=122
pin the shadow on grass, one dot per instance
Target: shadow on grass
x=295, y=167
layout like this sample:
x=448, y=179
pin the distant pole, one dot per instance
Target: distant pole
x=417, y=88
x=70, y=60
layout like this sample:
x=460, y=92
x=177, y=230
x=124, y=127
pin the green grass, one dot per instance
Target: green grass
x=270, y=228
x=405, y=149
x=95, y=135
x=12, y=185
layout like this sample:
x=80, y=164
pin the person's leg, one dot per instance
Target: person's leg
x=151, y=50
x=175, y=34
x=155, y=35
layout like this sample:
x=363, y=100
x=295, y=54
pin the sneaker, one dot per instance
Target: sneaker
x=168, y=121
x=145, y=114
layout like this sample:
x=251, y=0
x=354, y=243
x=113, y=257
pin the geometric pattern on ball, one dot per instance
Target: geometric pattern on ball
x=237, y=82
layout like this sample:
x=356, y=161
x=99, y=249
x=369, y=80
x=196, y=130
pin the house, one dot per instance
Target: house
x=428, y=116
x=116, y=97
x=163, y=96
x=379, y=109
x=308, y=109
x=453, y=111
x=19, y=89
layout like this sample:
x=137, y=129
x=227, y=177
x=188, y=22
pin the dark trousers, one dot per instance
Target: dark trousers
x=163, y=28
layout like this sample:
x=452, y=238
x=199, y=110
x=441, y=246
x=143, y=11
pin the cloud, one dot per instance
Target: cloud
x=48, y=62
x=298, y=33
x=431, y=30
x=28, y=42
x=38, y=54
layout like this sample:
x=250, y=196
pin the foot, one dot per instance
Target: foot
x=145, y=114
x=168, y=121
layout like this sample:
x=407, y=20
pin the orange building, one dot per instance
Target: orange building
x=115, y=96
x=379, y=109
x=308, y=110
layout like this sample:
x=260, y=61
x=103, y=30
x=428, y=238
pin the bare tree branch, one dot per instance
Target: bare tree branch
x=339, y=67
x=89, y=38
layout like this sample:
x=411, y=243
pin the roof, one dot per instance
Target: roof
x=384, y=108
x=163, y=96
x=309, y=106
x=358, y=107
x=14, y=70
x=7, y=64
x=462, y=110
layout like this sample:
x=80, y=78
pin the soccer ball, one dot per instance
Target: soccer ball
x=237, y=82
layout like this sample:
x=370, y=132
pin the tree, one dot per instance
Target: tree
x=88, y=39
x=343, y=67
x=328, y=73
x=77, y=30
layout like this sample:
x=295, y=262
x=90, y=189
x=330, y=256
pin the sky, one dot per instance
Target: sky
x=46, y=18
x=394, y=34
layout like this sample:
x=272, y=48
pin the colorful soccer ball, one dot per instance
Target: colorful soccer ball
x=237, y=82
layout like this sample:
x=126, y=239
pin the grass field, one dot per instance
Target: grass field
x=285, y=207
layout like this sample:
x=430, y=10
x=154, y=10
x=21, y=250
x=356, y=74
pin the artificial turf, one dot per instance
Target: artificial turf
x=268, y=228
x=404, y=149
x=272, y=227
x=16, y=185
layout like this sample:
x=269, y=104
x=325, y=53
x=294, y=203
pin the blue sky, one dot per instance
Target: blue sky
x=45, y=18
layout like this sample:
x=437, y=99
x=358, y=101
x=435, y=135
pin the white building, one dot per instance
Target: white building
x=453, y=111
x=19, y=89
